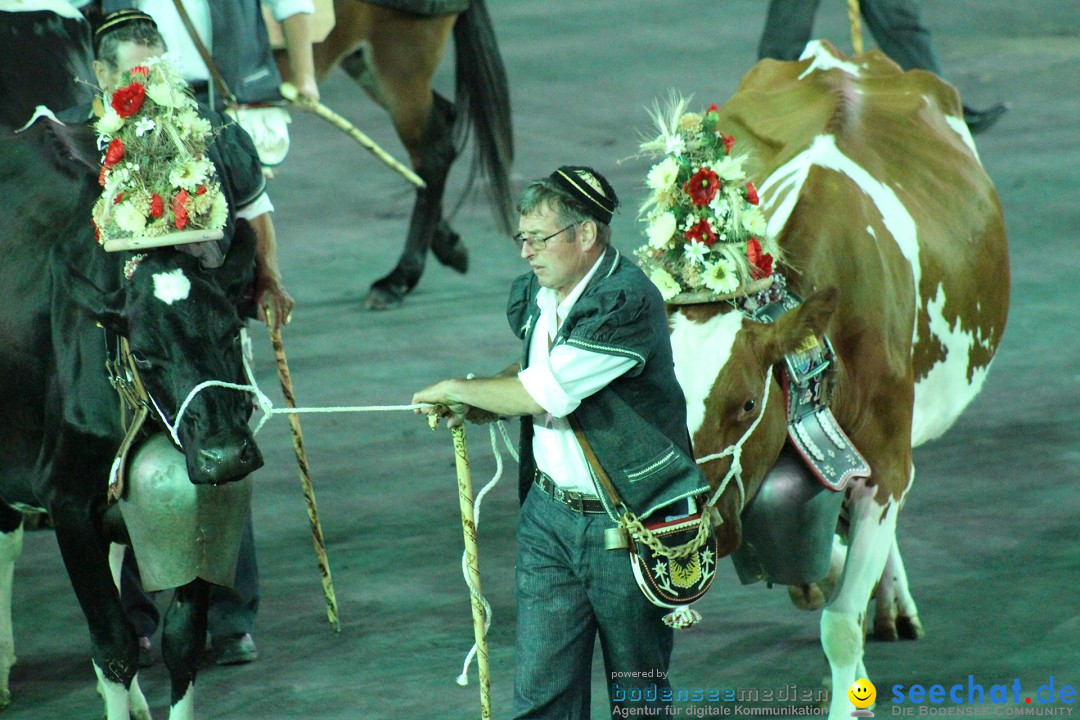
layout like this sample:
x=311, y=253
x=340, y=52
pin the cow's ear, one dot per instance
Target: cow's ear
x=106, y=308
x=797, y=326
x=237, y=273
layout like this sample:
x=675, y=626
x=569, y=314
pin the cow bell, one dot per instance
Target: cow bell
x=180, y=531
x=788, y=527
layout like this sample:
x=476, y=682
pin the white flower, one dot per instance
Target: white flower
x=189, y=174
x=109, y=123
x=674, y=145
x=660, y=230
x=219, y=212
x=144, y=125
x=721, y=276
x=730, y=169
x=695, y=252
x=753, y=221
x=166, y=95
x=128, y=218
x=663, y=174
x=662, y=279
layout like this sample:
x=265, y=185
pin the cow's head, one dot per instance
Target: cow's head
x=183, y=329
x=724, y=362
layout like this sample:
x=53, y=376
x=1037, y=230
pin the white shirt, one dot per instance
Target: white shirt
x=558, y=380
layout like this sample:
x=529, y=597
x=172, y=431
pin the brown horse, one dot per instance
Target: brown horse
x=393, y=55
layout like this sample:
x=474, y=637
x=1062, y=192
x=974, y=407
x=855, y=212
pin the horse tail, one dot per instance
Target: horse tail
x=482, y=97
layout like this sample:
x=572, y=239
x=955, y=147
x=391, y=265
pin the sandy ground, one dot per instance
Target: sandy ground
x=989, y=534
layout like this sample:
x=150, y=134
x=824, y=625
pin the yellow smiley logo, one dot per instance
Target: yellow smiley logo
x=862, y=693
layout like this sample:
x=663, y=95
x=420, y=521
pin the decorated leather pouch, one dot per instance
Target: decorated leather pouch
x=674, y=559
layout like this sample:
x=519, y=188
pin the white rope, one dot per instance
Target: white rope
x=463, y=678
x=735, y=451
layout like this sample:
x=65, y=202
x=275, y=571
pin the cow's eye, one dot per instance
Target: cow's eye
x=749, y=406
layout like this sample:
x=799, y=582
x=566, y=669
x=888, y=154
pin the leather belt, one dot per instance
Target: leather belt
x=579, y=502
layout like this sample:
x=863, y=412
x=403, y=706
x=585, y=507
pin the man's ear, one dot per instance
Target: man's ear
x=101, y=72
x=588, y=234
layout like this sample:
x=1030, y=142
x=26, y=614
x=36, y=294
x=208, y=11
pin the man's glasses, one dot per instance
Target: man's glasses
x=538, y=244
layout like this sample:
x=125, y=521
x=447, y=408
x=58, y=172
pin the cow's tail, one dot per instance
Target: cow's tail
x=482, y=97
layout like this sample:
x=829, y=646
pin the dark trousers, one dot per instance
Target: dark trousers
x=895, y=25
x=569, y=590
x=232, y=611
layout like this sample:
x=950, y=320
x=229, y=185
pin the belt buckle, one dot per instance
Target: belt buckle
x=559, y=494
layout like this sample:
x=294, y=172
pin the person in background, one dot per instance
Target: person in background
x=895, y=25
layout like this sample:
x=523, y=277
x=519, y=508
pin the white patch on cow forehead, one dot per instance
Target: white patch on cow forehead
x=700, y=351
x=943, y=394
x=824, y=60
x=171, y=286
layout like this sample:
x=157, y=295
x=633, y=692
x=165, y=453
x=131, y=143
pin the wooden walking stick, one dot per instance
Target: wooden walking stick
x=468, y=526
x=856, y=28
x=290, y=93
x=305, y=478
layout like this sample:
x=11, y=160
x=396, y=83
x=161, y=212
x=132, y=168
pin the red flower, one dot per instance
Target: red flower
x=179, y=208
x=729, y=141
x=702, y=186
x=201, y=190
x=116, y=200
x=701, y=232
x=127, y=100
x=101, y=176
x=140, y=70
x=97, y=231
x=762, y=262
x=157, y=206
x=712, y=108
x=751, y=194
x=114, y=153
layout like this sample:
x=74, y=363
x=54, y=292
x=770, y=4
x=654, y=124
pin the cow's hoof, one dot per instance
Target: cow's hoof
x=385, y=297
x=909, y=628
x=5, y=699
x=885, y=629
x=449, y=250
x=806, y=597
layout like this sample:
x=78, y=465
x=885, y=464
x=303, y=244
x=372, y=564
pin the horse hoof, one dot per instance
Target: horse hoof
x=384, y=298
x=450, y=251
x=806, y=597
x=910, y=628
x=885, y=630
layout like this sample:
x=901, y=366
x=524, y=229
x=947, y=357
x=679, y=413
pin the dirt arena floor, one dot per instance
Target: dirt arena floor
x=990, y=533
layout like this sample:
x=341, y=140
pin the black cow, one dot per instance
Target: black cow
x=60, y=418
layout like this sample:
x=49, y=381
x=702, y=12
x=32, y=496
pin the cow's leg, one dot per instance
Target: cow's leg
x=896, y=616
x=814, y=595
x=842, y=621
x=182, y=638
x=11, y=542
x=114, y=648
x=140, y=709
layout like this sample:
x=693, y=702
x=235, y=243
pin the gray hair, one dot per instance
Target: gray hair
x=546, y=193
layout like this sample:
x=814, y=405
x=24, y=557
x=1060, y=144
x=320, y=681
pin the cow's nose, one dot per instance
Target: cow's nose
x=222, y=462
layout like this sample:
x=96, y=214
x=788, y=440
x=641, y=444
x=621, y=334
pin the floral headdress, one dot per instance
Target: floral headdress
x=156, y=176
x=706, y=234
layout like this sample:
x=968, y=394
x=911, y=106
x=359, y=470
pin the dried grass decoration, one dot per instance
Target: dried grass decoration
x=706, y=235
x=159, y=185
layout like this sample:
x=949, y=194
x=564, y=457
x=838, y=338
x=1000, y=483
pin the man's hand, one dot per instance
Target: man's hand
x=271, y=295
x=438, y=398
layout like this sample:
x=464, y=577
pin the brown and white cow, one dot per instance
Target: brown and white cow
x=893, y=234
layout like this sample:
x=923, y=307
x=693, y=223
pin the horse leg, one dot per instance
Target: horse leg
x=842, y=621
x=395, y=67
x=183, y=636
x=11, y=542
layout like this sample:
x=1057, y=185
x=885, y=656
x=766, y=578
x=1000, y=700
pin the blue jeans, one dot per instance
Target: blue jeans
x=569, y=588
